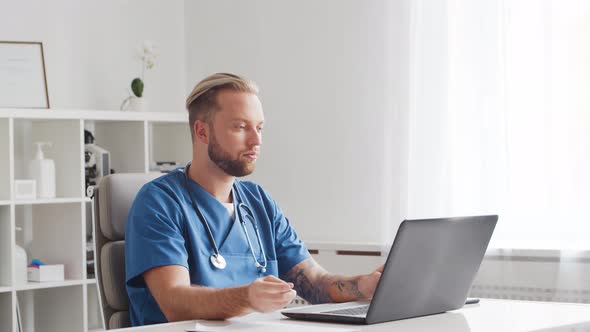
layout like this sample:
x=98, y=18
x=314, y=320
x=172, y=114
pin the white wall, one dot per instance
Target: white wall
x=333, y=78
x=90, y=48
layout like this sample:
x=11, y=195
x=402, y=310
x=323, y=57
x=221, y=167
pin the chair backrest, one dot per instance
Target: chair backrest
x=112, y=199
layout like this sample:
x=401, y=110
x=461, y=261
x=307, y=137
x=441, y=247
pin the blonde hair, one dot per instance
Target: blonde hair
x=202, y=101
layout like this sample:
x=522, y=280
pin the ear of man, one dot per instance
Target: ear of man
x=202, y=131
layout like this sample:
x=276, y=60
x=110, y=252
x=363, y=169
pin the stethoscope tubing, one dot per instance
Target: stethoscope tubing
x=240, y=205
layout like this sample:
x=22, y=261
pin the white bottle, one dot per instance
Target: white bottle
x=20, y=263
x=43, y=171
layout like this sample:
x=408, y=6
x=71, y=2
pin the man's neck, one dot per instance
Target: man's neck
x=214, y=180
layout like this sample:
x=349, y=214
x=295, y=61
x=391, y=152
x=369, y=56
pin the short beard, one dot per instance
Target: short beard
x=223, y=160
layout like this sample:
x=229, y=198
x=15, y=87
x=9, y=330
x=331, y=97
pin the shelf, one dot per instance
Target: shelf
x=169, y=142
x=5, y=171
x=126, y=143
x=44, y=226
x=44, y=285
x=53, y=309
x=56, y=230
x=6, y=231
x=67, y=152
x=94, y=311
x=49, y=284
x=60, y=200
x=6, y=312
x=96, y=115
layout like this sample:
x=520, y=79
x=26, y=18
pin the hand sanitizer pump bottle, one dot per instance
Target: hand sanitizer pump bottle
x=43, y=171
x=20, y=262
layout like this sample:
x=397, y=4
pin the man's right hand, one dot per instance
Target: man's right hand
x=270, y=293
x=179, y=300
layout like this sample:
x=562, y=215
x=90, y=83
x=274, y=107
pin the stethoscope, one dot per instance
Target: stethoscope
x=216, y=258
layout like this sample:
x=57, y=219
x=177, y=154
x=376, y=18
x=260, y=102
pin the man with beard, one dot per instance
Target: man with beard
x=201, y=244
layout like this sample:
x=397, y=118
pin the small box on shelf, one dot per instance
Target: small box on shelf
x=43, y=273
x=25, y=189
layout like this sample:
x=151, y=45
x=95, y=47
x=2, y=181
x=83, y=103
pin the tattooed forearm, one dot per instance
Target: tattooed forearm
x=315, y=285
x=348, y=288
x=308, y=281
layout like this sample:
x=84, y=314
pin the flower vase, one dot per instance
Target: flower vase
x=133, y=103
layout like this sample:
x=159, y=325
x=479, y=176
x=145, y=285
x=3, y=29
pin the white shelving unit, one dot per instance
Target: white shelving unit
x=54, y=230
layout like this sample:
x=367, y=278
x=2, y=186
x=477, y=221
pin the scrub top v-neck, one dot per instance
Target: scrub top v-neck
x=163, y=228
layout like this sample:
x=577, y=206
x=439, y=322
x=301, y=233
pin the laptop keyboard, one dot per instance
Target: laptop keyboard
x=362, y=310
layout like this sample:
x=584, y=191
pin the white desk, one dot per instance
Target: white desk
x=488, y=315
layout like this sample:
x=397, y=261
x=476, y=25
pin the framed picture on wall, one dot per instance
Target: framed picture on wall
x=23, y=83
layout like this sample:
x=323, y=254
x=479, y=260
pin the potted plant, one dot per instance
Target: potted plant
x=136, y=100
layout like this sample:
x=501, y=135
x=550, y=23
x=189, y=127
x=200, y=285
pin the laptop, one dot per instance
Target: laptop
x=430, y=269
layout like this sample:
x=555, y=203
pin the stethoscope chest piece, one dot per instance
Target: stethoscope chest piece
x=218, y=261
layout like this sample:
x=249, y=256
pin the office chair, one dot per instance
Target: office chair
x=112, y=199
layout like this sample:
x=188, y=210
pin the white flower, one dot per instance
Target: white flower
x=148, y=48
x=147, y=54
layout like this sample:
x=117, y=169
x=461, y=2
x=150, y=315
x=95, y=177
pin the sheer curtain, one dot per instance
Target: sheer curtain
x=500, y=117
x=548, y=121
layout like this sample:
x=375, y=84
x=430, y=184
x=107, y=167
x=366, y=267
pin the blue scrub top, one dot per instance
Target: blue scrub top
x=163, y=228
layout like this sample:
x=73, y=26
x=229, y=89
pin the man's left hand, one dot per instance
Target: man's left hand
x=368, y=283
